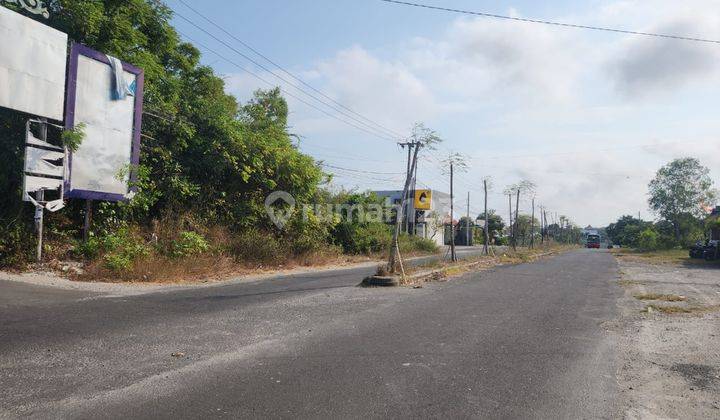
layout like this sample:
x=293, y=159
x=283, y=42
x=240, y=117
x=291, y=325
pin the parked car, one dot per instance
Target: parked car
x=698, y=250
x=710, y=252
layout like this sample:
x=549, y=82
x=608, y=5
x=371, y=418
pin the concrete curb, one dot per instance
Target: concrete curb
x=395, y=281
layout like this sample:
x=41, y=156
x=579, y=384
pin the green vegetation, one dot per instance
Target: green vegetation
x=680, y=194
x=72, y=138
x=206, y=167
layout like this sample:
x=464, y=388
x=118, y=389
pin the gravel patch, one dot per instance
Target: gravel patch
x=670, y=360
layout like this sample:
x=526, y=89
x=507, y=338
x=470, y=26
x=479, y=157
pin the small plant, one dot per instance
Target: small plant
x=117, y=262
x=122, y=249
x=189, y=243
x=72, y=138
x=89, y=249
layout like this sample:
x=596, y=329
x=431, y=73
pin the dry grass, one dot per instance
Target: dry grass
x=159, y=269
x=444, y=269
x=628, y=283
x=662, y=297
x=667, y=256
x=675, y=310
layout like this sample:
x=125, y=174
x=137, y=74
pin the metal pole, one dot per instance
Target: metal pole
x=40, y=199
x=88, y=220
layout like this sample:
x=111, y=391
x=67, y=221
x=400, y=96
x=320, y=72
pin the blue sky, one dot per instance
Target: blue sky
x=587, y=116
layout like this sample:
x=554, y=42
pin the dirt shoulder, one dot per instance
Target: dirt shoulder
x=669, y=336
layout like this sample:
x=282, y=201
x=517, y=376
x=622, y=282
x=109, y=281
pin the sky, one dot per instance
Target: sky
x=587, y=116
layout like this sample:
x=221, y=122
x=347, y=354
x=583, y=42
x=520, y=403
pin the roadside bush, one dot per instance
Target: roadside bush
x=255, y=246
x=16, y=245
x=409, y=244
x=189, y=243
x=88, y=250
x=122, y=249
x=368, y=238
x=648, y=240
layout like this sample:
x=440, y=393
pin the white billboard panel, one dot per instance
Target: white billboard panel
x=112, y=127
x=33, y=57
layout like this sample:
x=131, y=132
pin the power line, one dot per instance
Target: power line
x=286, y=92
x=547, y=22
x=361, y=171
x=281, y=68
x=376, y=132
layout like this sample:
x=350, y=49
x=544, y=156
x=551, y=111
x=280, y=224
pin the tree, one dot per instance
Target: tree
x=205, y=155
x=682, y=187
x=495, y=224
x=524, y=225
x=625, y=231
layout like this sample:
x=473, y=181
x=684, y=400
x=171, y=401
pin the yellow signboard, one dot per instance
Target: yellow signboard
x=423, y=198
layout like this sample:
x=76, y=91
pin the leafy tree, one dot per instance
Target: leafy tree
x=682, y=187
x=495, y=224
x=206, y=154
x=625, y=231
x=523, y=226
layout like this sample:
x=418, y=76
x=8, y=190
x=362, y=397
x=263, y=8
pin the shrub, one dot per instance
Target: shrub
x=189, y=243
x=17, y=244
x=122, y=249
x=416, y=244
x=256, y=246
x=89, y=249
x=648, y=240
x=365, y=238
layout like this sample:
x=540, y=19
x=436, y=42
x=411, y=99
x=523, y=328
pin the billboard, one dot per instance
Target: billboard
x=32, y=66
x=101, y=167
x=423, y=200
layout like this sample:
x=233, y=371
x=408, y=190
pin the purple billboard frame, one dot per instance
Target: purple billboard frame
x=77, y=50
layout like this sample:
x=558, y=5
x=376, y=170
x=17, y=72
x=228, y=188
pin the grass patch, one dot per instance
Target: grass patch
x=666, y=256
x=667, y=309
x=662, y=297
x=629, y=283
x=674, y=310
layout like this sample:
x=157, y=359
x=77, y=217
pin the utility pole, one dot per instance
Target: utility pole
x=542, y=225
x=467, y=222
x=409, y=145
x=510, y=219
x=395, y=248
x=453, y=256
x=485, y=228
x=517, y=217
x=532, y=225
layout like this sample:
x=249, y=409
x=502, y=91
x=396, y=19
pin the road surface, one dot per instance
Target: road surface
x=524, y=341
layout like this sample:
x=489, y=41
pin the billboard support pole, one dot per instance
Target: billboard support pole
x=88, y=220
x=39, y=209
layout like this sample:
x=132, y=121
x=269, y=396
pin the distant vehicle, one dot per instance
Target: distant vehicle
x=593, y=241
x=707, y=250
x=711, y=251
x=697, y=250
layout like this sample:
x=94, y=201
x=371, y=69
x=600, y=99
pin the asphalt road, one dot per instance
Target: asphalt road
x=523, y=341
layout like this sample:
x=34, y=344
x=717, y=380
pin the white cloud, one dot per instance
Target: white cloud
x=569, y=97
x=650, y=66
